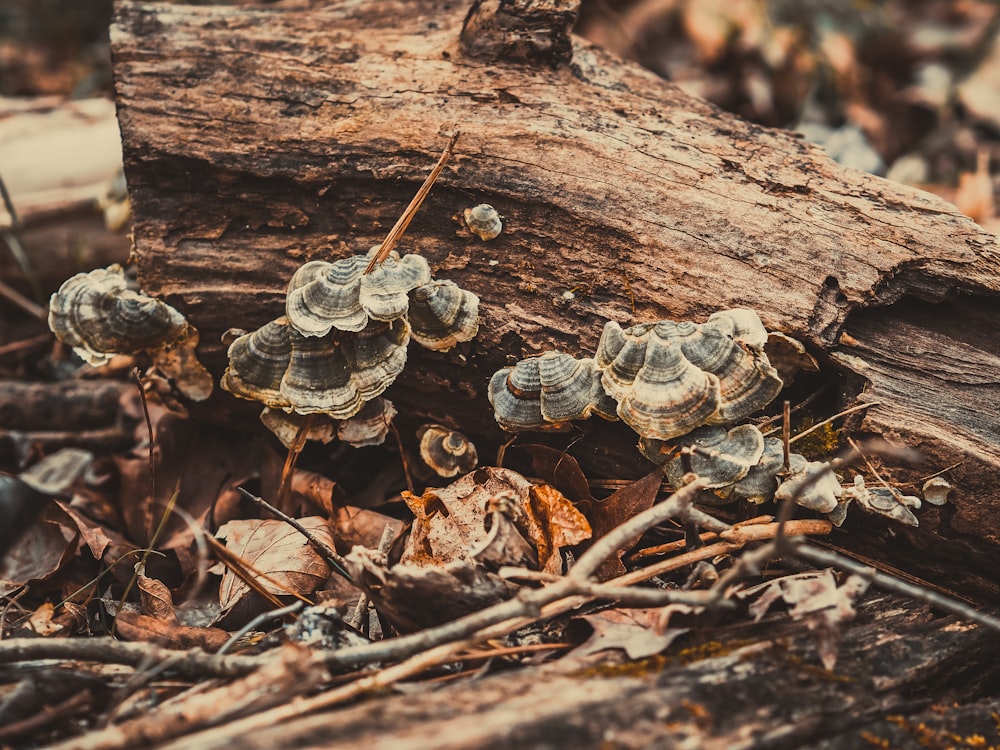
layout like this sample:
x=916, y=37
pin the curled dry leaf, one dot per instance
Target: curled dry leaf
x=616, y=509
x=815, y=598
x=155, y=599
x=633, y=631
x=277, y=550
x=131, y=626
x=416, y=596
x=451, y=522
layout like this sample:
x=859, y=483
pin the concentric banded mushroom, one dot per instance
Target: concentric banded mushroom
x=547, y=393
x=442, y=314
x=721, y=457
x=448, y=452
x=384, y=291
x=323, y=295
x=99, y=316
x=483, y=221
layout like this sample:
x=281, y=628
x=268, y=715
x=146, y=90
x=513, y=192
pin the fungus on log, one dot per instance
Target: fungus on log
x=259, y=138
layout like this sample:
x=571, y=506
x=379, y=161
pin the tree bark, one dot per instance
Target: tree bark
x=749, y=686
x=258, y=138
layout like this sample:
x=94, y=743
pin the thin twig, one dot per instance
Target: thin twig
x=894, y=585
x=15, y=297
x=411, y=210
x=256, y=622
x=294, y=450
x=838, y=415
x=16, y=346
x=335, y=561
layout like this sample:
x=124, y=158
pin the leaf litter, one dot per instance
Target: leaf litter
x=494, y=551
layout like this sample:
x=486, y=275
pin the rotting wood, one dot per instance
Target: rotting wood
x=707, y=692
x=258, y=138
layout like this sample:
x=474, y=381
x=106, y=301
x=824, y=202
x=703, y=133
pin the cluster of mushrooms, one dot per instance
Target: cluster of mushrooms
x=100, y=315
x=681, y=386
x=342, y=342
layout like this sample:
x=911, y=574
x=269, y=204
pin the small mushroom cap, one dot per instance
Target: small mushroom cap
x=788, y=356
x=820, y=494
x=286, y=425
x=370, y=426
x=322, y=296
x=566, y=387
x=483, y=221
x=747, y=382
x=257, y=362
x=724, y=457
x=936, y=490
x=761, y=482
x=99, y=316
x=384, y=292
x=318, y=377
x=377, y=356
x=669, y=396
x=741, y=324
x=601, y=403
x=448, y=452
x=515, y=394
x=883, y=501
x=337, y=373
x=442, y=314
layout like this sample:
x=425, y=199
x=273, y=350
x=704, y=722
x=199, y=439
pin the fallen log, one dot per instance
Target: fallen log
x=259, y=138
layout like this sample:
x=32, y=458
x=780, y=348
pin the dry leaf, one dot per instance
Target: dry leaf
x=47, y=545
x=277, y=550
x=155, y=599
x=554, y=523
x=619, y=507
x=413, y=596
x=633, y=631
x=815, y=598
x=555, y=467
x=451, y=522
x=131, y=626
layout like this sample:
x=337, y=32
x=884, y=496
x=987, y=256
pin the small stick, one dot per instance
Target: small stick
x=402, y=457
x=259, y=620
x=294, y=450
x=361, y=608
x=15, y=297
x=335, y=561
x=889, y=583
x=786, y=432
x=411, y=210
x=16, y=346
x=844, y=413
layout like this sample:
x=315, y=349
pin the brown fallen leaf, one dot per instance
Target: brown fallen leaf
x=155, y=599
x=132, y=626
x=814, y=597
x=619, y=507
x=555, y=467
x=633, y=631
x=278, y=551
x=41, y=551
x=554, y=523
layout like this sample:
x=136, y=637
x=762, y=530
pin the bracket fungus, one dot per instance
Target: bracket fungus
x=721, y=457
x=100, y=316
x=342, y=341
x=819, y=493
x=322, y=296
x=442, y=314
x=448, y=452
x=547, y=393
x=483, y=221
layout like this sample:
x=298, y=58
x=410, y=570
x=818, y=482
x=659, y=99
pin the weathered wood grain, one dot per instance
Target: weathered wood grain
x=258, y=138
